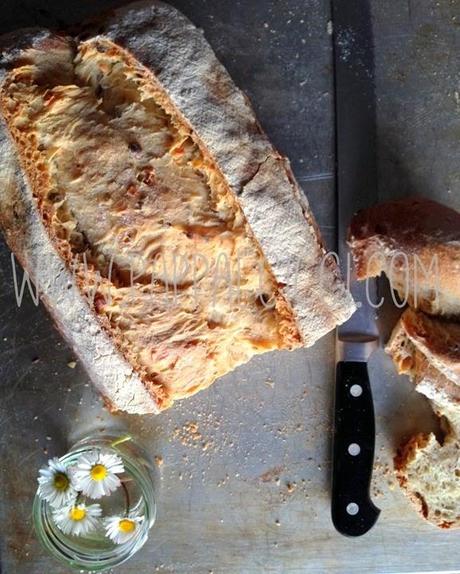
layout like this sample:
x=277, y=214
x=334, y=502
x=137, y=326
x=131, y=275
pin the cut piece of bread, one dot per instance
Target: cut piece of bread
x=416, y=351
x=416, y=243
x=430, y=475
x=424, y=348
x=168, y=238
x=428, y=350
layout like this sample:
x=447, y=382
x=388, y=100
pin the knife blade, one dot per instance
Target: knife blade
x=353, y=512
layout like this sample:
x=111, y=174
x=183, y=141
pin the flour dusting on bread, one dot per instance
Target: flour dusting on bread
x=139, y=199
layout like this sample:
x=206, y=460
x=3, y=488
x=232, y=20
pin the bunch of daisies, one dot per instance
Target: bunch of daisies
x=94, y=475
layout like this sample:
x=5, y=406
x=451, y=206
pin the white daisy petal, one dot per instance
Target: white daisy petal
x=78, y=519
x=113, y=482
x=98, y=489
x=121, y=529
x=56, y=484
x=113, y=462
x=87, y=459
x=96, y=473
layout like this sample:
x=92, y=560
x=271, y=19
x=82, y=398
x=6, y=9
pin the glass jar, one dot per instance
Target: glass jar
x=95, y=552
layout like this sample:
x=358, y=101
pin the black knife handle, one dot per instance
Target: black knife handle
x=353, y=512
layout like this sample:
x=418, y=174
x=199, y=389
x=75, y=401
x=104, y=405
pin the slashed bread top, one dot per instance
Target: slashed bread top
x=143, y=216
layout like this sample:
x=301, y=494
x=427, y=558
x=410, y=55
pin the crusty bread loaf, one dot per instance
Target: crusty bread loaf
x=416, y=243
x=424, y=349
x=169, y=240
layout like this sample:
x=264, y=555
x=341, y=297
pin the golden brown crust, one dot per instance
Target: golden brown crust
x=400, y=238
x=413, y=222
x=260, y=178
x=58, y=216
x=427, y=470
x=437, y=339
x=416, y=243
x=69, y=309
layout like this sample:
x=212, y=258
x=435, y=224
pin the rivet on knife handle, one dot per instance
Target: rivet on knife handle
x=353, y=512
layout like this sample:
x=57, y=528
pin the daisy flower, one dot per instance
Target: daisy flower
x=121, y=529
x=55, y=483
x=78, y=519
x=95, y=473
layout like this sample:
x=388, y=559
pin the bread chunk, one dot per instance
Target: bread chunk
x=424, y=349
x=420, y=342
x=155, y=218
x=430, y=474
x=416, y=243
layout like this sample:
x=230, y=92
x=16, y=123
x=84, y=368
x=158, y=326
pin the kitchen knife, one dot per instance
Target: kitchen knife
x=353, y=512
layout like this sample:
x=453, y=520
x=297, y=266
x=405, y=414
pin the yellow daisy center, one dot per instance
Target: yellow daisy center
x=98, y=472
x=61, y=481
x=126, y=526
x=77, y=513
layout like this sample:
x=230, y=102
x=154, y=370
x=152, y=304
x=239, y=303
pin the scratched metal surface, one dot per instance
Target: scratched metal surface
x=248, y=490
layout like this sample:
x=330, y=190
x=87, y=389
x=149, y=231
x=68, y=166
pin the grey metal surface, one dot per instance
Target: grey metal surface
x=246, y=490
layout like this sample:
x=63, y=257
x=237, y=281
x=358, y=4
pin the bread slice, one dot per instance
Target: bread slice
x=430, y=474
x=169, y=240
x=416, y=243
x=424, y=348
x=428, y=350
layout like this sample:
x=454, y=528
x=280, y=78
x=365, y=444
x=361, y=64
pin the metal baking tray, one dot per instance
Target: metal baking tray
x=243, y=468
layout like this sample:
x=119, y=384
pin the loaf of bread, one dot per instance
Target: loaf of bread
x=168, y=238
x=416, y=243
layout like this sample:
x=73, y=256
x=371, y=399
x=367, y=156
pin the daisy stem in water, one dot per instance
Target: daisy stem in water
x=121, y=440
x=123, y=485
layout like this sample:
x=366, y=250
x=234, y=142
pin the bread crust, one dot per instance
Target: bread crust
x=407, y=455
x=436, y=339
x=29, y=241
x=198, y=87
x=167, y=43
x=423, y=348
x=416, y=243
